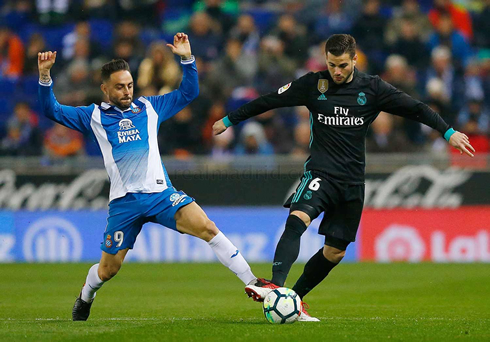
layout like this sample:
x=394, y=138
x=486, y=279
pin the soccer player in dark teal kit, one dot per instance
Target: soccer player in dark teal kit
x=343, y=102
x=126, y=130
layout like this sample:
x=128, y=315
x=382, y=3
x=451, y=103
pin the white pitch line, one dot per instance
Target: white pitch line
x=98, y=319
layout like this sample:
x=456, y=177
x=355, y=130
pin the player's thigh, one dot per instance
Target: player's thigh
x=313, y=195
x=340, y=225
x=178, y=211
x=192, y=220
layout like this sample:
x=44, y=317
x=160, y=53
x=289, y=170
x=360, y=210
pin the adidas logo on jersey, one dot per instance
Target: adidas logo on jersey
x=322, y=97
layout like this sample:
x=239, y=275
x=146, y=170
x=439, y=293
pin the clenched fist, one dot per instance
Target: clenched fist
x=219, y=127
x=45, y=60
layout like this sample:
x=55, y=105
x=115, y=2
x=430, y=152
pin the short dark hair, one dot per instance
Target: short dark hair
x=338, y=44
x=111, y=67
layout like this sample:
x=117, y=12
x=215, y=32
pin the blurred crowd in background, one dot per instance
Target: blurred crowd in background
x=436, y=51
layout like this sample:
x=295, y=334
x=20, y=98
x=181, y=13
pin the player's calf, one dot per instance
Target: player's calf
x=110, y=264
x=192, y=220
x=287, y=249
x=108, y=271
x=317, y=268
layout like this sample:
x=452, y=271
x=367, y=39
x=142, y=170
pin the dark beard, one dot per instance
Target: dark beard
x=120, y=105
x=345, y=80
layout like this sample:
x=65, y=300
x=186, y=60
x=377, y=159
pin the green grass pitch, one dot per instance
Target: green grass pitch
x=205, y=302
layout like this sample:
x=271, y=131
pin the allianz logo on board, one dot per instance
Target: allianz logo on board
x=52, y=239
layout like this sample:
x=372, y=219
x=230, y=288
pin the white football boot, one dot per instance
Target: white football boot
x=304, y=316
x=260, y=289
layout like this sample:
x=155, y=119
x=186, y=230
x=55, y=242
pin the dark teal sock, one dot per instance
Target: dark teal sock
x=316, y=269
x=287, y=249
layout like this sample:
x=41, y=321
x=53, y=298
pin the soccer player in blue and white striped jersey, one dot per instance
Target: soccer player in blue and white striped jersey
x=126, y=131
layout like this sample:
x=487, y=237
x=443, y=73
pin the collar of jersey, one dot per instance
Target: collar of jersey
x=106, y=107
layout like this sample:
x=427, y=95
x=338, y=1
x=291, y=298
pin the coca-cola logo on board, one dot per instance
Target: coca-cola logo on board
x=401, y=189
x=84, y=192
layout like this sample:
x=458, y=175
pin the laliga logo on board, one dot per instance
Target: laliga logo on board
x=399, y=243
x=52, y=239
x=405, y=243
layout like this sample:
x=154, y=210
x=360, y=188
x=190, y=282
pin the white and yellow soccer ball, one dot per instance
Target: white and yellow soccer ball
x=282, y=305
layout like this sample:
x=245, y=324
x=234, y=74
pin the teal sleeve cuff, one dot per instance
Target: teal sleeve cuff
x=448, y=133
x=227, y=122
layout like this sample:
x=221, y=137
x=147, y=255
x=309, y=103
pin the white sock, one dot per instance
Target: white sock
x=229, y=256
x=92, y=284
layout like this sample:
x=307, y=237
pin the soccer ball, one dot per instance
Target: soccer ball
x=282, y=305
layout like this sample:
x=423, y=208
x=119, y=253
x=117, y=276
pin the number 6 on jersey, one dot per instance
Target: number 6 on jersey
x=315, y=184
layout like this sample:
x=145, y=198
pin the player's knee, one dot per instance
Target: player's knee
x=303, y=216
x=295, y=225
x=208, y=231
x=107, y=272
x=333, y=254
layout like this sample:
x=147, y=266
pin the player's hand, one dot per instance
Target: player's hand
x=461, y=142
x=181, y=46
x=45, y=60
x=219, y=127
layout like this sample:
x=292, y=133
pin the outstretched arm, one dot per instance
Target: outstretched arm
x=394, y=101
x=170, y=104
x=290, y=95
x=77, y=118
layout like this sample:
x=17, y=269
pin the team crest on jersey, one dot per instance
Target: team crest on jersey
x=127, y=131
x=308, y=195
x=322, y=85
x=125, y=124
x=284, y=88
x=108, y=241
x=176, y=198
x=135, y=109
x=361, y=99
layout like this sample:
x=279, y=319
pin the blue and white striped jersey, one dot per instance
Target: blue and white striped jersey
x=127, y=139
